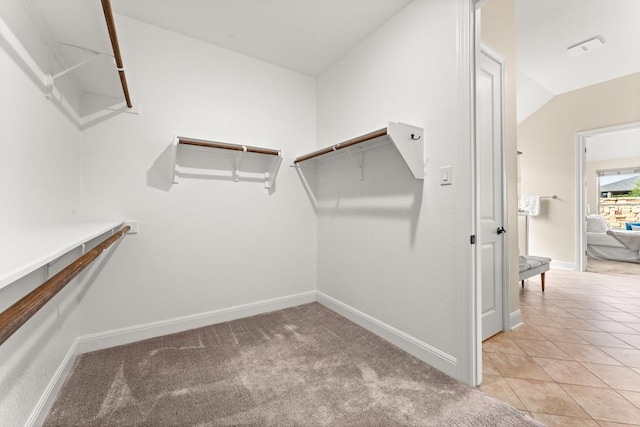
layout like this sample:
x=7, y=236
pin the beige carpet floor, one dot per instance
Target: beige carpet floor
x=303, y=366
x=615, y=268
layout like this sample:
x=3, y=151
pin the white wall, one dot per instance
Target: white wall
x=531, y=96
x=203, y=244
x=391, y=246
x=39, y=162
x=39, y=169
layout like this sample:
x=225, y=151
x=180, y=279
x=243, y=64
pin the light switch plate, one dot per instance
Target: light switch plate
x=446, y=175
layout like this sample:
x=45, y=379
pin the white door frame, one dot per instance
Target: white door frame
x=469, y=360
x=498, y=58
x=469, y=355
x=581, y=192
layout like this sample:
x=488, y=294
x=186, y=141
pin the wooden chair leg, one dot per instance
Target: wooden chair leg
x=542, y=280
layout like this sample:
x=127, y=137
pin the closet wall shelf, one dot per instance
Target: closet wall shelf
x=408, y=140
x=237, y=151
x=27, y=250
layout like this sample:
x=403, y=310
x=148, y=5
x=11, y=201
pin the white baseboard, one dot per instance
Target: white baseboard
x=423, y=351
x=515, y=319
x=562, y=265
x=131, y=334
x=46, y=401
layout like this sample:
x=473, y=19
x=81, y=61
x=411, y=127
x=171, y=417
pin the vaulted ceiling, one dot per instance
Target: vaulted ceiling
x=546, y=28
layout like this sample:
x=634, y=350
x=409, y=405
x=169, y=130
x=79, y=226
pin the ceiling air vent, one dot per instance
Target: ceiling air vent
x=585, y=46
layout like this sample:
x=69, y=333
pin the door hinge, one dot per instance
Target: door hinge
x=472, y=240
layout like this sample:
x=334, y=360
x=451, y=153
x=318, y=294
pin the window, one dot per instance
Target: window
x=619, y=196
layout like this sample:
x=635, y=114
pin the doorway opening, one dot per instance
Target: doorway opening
x=604, y=157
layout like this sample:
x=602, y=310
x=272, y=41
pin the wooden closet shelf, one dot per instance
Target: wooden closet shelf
x=24, y=251
x=406, y=138
x=269, y=170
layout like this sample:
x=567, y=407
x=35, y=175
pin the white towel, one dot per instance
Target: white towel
x=529, y=205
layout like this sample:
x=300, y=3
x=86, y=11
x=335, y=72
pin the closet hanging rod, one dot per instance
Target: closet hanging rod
x=227, y=146
x=111, y=26
x=341, y=145
x=17, y=315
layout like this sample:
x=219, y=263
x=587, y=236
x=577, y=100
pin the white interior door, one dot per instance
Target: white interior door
x=489, y=122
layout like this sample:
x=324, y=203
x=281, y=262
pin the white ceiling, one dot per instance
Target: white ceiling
x=546, y=28
x=309, y=35
x=302, y=35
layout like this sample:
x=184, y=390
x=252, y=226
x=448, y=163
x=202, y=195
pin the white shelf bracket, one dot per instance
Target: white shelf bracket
x=358, y=159
x=272, y=172
x=409, y=140
x=48, y=268
x=50, y=264
x=236, y=164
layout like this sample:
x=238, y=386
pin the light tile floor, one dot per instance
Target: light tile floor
x=576, y=359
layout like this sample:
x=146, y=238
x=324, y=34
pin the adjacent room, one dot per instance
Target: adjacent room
x=577, y=104
x=613, y=202
x=575, y=360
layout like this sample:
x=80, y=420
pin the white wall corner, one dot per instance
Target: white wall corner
x=515, y=319
x=115, y=337
x=423, y=351
x=48, y=397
